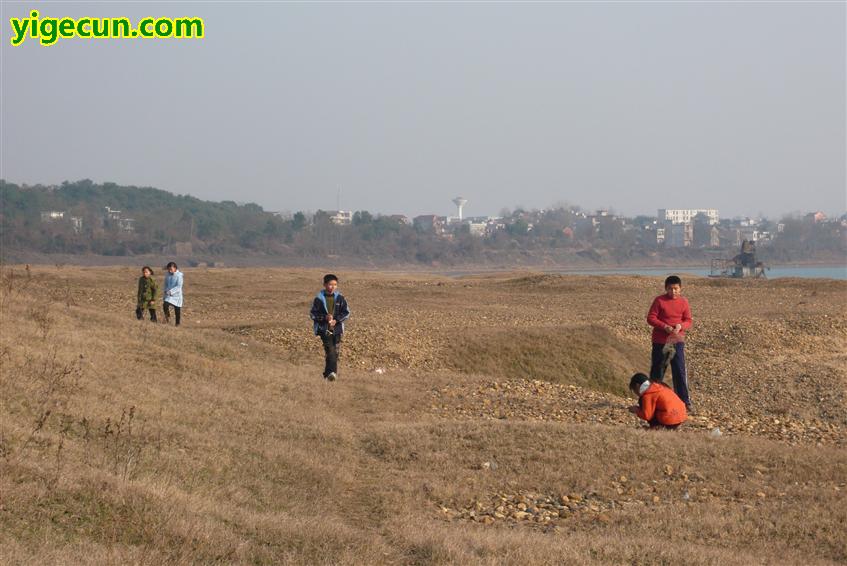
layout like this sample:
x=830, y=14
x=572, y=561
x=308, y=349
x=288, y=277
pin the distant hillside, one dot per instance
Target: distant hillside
x=109, y=219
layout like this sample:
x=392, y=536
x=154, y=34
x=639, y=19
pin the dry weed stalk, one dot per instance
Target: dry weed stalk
x=64, y=429
x=121, y=450
x=69, y=297
x=56, y=381
x=40, y=314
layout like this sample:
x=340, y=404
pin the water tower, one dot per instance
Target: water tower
x=460, y=204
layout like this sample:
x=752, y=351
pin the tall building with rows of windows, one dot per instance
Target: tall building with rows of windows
x=685, y=215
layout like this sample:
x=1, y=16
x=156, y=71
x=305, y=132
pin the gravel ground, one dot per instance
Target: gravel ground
x=765, y=358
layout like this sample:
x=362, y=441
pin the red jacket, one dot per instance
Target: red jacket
x=668, y=312
x=661, y=404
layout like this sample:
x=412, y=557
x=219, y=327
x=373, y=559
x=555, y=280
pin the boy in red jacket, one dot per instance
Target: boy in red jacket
x=657, y=403
x=670, y=317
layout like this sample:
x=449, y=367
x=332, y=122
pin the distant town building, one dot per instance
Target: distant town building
x=684, y=215
x=112, y=214
x=341, y=217
x=126, y=224
x=428, y=223
x=815, y=217
x=679, y=235
x=731, y=237
x=76, y=223
x=478, y=228
x=747, y=221
x=495, y=225
x=400, y=219
x=706, y=235
x=52, y=215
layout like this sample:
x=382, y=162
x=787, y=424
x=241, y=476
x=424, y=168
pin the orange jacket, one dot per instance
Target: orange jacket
x=661, y=404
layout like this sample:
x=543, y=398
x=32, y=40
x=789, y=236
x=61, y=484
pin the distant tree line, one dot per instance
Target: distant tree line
x=156, y=221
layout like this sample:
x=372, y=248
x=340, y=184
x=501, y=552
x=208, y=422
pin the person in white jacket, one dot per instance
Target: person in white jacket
x=173, y=292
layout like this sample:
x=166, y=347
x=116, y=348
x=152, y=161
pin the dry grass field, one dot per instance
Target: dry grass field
x=477, y=420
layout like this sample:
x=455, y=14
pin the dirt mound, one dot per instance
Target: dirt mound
x=575, y=283
x=588, y=356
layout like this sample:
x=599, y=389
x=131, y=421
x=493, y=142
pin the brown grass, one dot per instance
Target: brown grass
x=587, y=356
x=127, y=442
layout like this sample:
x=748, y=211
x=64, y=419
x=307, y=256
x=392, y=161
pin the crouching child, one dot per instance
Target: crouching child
x=657, y=403
x=329, y=311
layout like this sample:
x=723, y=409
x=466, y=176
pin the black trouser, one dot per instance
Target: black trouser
x=139, y=314
x=167, y=307
x=680, y=379
x=332, y=347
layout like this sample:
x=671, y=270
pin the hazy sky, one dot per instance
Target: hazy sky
x=634, y=105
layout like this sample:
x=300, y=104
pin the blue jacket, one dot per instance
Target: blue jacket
x=173, y=288
x=319, y=312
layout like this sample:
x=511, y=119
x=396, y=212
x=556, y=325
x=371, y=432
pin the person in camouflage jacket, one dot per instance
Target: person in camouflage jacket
x=147, y=290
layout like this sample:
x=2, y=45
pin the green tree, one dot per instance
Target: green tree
x=362, y=217
x=298, y=222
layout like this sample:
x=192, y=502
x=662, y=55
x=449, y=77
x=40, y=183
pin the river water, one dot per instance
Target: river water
x=812, y=272
x=809, y=272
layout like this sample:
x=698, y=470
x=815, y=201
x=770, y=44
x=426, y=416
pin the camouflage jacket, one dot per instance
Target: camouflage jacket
x=146, y=292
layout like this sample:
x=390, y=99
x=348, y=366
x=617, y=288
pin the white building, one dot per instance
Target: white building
x=478, y=228
x=685, y=215
x=341, y=217
x=51, y=215
x=112, y=214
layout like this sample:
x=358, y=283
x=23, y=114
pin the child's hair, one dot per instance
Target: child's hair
x=147, y=267
x=673, y=280
x=170, y=265
x=330, y=277
x=637, y=380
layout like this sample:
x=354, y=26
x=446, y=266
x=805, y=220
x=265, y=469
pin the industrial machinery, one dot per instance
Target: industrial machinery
x=742, y=265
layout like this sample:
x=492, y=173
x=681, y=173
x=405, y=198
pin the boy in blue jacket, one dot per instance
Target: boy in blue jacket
x=329, y=311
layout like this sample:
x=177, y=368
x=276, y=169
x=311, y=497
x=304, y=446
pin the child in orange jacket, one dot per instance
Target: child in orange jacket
x=657, y=403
